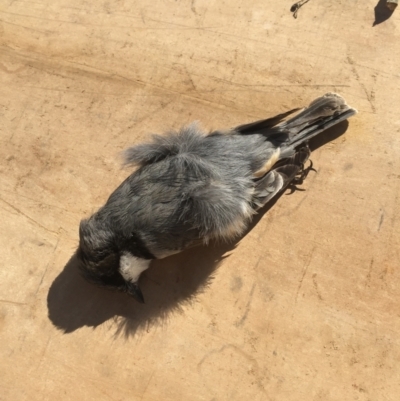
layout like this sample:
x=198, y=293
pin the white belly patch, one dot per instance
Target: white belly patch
x=131, y=267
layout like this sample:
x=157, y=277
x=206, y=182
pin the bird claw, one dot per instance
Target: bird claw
x=303, y=173
x=300, y=177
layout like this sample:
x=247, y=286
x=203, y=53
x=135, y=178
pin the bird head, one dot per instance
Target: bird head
x=100, y=260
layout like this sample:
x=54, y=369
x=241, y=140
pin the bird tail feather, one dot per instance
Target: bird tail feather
x=323, y=113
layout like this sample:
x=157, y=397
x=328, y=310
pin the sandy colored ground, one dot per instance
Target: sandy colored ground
x=306, y=307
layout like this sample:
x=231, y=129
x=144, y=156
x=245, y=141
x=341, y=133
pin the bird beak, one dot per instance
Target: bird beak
x=134, y=290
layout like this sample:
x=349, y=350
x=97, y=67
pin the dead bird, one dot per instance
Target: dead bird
x=191, y=187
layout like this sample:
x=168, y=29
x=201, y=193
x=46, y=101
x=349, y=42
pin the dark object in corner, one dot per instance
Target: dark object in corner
x=383, y=11
x=296, y=6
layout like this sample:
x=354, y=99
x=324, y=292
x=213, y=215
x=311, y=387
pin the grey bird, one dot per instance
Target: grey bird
x=191, y=187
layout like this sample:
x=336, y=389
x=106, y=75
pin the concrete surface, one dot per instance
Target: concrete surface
x=306, y=307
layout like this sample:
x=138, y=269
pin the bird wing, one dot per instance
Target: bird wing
x=261, y=126
x=279, y=177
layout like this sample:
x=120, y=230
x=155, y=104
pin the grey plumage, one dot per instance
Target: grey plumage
x=191, y=187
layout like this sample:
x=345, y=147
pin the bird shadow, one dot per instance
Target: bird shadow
x=168, y=285
x=382, y=12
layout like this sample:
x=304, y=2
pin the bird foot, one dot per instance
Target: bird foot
x=303, y=173
x=300, y=177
